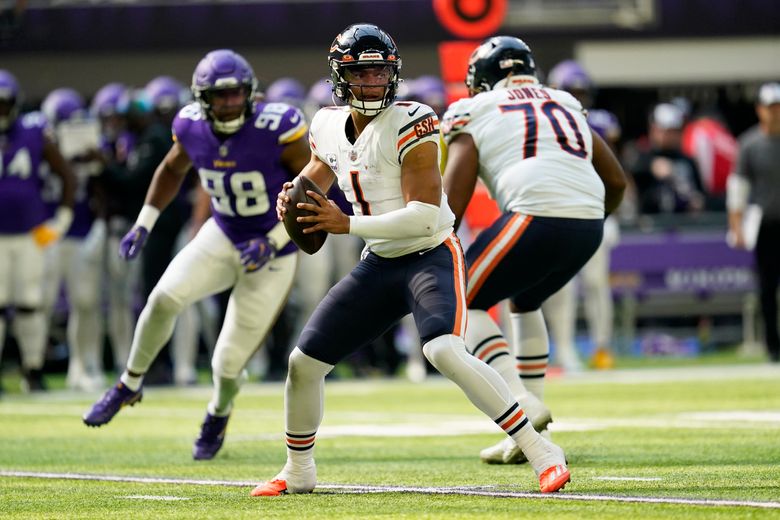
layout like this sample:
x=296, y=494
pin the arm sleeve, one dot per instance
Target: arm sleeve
x=417, y=219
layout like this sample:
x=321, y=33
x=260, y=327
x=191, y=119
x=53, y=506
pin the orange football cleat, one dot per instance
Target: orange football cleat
x=554, y=478
x=273, y=488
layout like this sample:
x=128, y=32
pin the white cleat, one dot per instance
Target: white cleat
x=505, y=452
x=536, y=411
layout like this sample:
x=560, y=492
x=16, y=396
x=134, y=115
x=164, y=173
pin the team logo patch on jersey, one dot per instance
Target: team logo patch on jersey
x=333, y=161
x=425, y=126
x=352, y=155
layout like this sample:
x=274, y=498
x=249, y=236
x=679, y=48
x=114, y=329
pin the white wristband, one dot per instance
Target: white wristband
x=147, y=217
x=62, y=220
x=737, y=192
x=278, y=236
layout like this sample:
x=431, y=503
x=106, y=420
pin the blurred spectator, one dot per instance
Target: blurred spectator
x=25, y=230
x=667, y=180
x=76, y=260
x=707, y=139
x=757, y=179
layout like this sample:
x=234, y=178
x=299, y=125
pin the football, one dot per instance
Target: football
x=311, y=242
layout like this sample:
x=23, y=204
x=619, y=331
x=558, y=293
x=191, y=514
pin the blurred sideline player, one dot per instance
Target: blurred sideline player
x=116, y=144
x=77, y=259
x=230, y=139
x=167, y=96
x=560, y=309
x=553, y=179
x=25, y=141
x=384, y=155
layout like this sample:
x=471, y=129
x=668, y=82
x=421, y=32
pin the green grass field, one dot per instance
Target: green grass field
x=644, y=443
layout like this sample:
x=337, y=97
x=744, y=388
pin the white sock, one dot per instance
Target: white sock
x=30, y=331
x=486, y=342
x=131, y=382
x=531, y=347
x=152, y=332
x=304, y=395
x=225, y=390
x=481, y=384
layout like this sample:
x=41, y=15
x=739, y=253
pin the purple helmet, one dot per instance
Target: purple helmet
x=321, y=94
x=431, y=91
x=62, y=104
x=286, y=90
x=11, y=94
x=223, y=69
x=569, y=75
x=166, y=93
x=604, y=123
x=107, y=99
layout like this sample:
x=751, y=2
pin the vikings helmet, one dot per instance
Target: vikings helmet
x=321, y=94
x=286, y=90
x=604, y=123
x=360, y=45
x=492, y=63
x=10, y=94
x=62, y=104
x=569, y=75
x=223, y=69
x=431, y=91
x=106, y=99
x=166, y=93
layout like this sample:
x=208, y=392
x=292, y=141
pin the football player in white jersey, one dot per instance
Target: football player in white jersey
x=553, y=179
x=384, y=156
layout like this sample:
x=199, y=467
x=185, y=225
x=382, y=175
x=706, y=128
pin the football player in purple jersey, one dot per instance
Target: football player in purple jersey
x=116, y=144
x=76, y=260
x=25, y=230
x=244, y=151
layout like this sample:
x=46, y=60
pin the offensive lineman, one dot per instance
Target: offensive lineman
x=553, y=179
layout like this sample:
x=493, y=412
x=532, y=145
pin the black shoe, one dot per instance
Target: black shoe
x=32, y=381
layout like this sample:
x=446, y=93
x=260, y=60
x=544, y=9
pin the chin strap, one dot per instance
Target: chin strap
x=229, y=127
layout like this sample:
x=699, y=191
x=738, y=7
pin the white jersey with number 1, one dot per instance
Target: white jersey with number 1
x=535, y=150
x=369, y=171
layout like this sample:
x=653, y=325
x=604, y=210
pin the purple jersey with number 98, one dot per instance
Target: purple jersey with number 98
x=242, y=172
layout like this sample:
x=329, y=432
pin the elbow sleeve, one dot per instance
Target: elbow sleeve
x=417, y=219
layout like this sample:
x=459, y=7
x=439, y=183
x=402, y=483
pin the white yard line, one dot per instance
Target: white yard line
x=355, y=488
x=164, y=498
